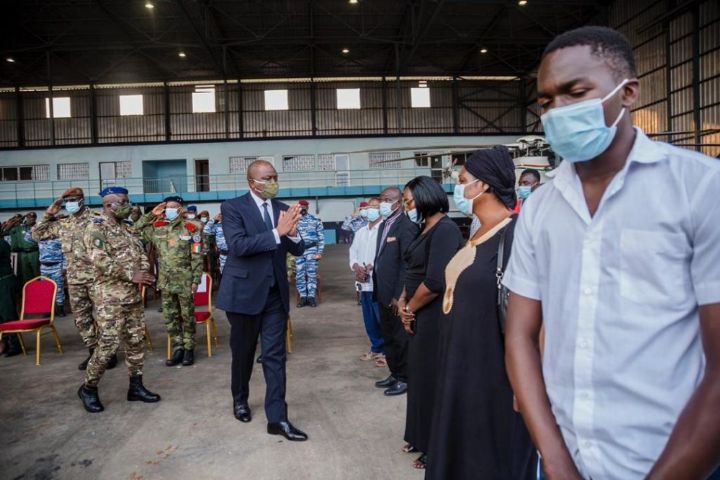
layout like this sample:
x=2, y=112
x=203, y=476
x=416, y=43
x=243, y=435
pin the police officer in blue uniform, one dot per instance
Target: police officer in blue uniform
x=52, y=265
x=310, y=228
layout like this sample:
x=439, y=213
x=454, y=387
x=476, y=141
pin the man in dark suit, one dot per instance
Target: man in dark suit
x=394, y=237
x=254, y=292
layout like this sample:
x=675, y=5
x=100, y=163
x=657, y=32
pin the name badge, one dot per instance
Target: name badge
x=185, y=237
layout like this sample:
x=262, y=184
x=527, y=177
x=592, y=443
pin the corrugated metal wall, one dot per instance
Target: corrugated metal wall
x=482, y=106
x=677, y=51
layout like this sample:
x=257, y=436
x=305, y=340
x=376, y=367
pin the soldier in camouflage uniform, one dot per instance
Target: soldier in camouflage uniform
x=214, y=228
x=310, y=228
x=53, y=265
x=28, y=258
x=179, y=246
x=121, y=266
x=80, y=274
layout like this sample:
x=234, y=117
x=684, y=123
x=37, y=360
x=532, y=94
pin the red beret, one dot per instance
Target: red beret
x=364, y=204
x=304, y=203
x=73, y=192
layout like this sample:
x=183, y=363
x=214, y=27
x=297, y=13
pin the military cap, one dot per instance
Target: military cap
x=113, y=190
x=364, y=204
x=174, y=198
x=73, y=192
x=304, y=203
x=192, y=208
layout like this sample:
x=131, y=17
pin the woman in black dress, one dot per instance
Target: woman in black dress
x=475, y=433
x=421, y=302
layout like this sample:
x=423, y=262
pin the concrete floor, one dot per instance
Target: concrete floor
x=355, y=432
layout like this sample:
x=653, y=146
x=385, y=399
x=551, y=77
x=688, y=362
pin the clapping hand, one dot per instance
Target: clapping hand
x=143, y=277
x=288, y=220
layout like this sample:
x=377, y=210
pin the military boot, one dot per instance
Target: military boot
x=90, y=398
x=84, y=363
x=312, y=302
x=302, y=302
x=188, y=357
x=177, y=358
x=12, y=345
x=138, y=393
x=59, y=310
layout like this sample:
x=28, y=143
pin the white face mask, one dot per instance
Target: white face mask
x=203, y=219
x=191, y=216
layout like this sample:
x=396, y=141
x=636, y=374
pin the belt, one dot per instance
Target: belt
x=25, y=250
x=309, y=245
x=49, y=264
x=224, y=252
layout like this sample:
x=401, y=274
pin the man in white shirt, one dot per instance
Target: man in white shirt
x=362, y=256
x=618, y=259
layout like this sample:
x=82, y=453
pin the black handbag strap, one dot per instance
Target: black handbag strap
x=500, y=264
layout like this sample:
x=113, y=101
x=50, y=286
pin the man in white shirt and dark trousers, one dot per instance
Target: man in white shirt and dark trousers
x=618, y=258
x=362, y=257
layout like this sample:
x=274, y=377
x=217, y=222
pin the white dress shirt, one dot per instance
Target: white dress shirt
x=362, y=251
x=259, y=202
x=620, y=293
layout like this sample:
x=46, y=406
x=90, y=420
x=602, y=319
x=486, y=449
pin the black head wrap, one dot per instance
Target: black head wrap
x=495, y=167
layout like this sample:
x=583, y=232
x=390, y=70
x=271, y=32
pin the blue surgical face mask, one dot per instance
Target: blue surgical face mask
x=412, y=215
x=465, y=205
x=524, y=191
x=72, y=207
x=578, y=132
x=386, y=209
x=372, y=214
x=363, y=213
x=171, y=213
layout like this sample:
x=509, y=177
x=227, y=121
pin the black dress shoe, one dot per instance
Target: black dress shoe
x=287, y=430
x=90, y=399
x=398, y=389
x=112, y=363
x=188, y=357
x=242, y=412
x=388, y=382
x=177, y=358
x=138, y=393
x=259, y=359
x=302, y=302
x=312, y=302
x=85, y=362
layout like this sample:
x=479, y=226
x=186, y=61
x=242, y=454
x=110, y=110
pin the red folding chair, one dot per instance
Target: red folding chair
x=38, y=301
x=203, y=313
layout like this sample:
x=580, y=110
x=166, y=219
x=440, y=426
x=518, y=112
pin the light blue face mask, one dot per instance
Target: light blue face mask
x=465, y=205
x=363, y=213
x=171, y=213
x=524, y=191
x=578, y=132
x=372, y=214
x=386, y=209
x=72, y=207
x=413, y=215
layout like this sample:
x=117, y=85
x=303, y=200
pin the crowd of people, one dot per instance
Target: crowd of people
x=575, y=332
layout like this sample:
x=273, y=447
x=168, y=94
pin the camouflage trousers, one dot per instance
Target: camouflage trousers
x=118, y=323
x=179, y=312
x=55, y=272
x=306, y=275
x=82, y=308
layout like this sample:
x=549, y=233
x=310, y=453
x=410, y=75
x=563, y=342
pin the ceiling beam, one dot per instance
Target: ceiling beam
x=201, y=36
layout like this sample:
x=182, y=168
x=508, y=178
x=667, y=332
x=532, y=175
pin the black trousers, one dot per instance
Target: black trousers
x=271, y=325
x=396, y=343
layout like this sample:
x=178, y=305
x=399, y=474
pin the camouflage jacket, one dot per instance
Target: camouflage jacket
x=70, y=231
x=180, y=251
x=117, y=254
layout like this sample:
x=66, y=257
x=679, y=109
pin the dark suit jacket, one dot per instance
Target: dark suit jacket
x=389, y=267
x=254, y=257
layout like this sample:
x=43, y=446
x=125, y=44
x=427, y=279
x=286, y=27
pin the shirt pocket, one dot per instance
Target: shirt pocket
x=654, y=267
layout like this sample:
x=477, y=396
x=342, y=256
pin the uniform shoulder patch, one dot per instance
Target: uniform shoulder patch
x=98, y=220
x=160, y=223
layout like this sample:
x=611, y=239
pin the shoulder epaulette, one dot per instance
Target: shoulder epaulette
x=98, y=220
x=190, y=227
x=160, y=223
